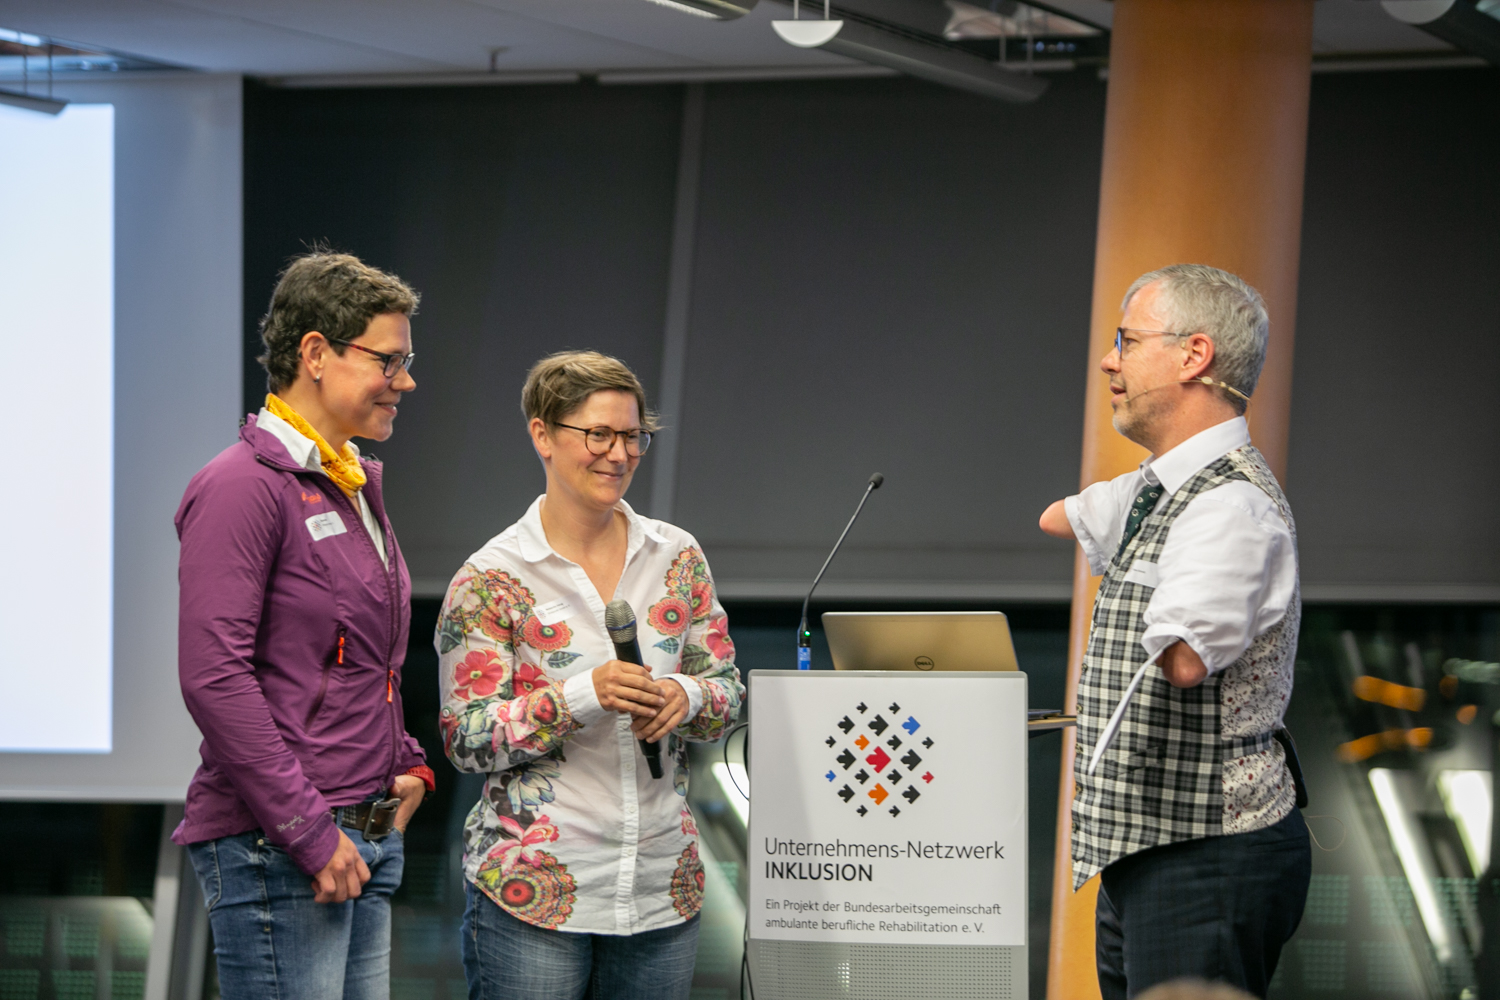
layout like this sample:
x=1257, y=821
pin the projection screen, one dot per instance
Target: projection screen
x=57, y=409
x=120, y=309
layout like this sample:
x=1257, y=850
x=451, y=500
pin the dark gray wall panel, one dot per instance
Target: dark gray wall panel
x=1395, y=449
x=890, y=277
x=531, y=219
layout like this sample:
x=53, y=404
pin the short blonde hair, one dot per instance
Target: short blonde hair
x=560, y=383
x=1194, y=989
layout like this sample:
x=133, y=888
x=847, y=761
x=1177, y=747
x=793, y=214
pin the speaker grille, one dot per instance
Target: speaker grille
x=793, y=970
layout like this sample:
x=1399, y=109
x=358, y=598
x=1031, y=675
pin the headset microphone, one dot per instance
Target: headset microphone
x=1202, y=378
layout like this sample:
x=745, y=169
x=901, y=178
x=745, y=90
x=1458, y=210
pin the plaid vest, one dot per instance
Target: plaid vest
x=1162, y=780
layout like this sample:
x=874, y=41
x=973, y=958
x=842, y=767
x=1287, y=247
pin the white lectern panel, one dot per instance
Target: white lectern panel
x=889, y=809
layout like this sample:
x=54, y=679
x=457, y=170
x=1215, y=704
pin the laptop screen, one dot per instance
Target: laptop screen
x=920, y=640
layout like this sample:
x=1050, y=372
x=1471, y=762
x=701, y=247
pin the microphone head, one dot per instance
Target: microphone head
x=876, y=480
x=619, y=619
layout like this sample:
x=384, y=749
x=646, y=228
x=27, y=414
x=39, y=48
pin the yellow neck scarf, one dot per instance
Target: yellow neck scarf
x=344, y=469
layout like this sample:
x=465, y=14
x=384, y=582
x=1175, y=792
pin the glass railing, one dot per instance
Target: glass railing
x=1395, y=717
x=76, y=882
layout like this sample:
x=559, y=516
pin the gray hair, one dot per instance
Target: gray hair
x=1197, y=298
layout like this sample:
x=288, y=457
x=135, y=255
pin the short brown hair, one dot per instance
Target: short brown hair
x=560, y=383
x=336, y=294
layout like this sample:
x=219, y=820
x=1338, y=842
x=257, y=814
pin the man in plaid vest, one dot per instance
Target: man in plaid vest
x=1185, y=800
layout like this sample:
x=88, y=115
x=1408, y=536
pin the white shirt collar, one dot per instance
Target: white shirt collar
x=532, y=537
x=1176, y=467
x=303, y=450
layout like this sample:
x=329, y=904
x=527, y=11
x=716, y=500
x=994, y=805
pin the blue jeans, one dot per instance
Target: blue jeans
x=272, y=942
x=509, y=959
x=1216, y=908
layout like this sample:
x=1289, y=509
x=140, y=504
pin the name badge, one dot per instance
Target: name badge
x=1143, y=573
x=554, y=612
x=325, y=525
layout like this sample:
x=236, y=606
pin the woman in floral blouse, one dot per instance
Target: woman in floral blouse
x=583, y=871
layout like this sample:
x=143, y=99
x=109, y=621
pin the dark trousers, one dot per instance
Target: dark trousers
x=1217, y=908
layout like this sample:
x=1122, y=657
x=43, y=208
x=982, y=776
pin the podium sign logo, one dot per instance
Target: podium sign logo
x=889, y=808
x=875, y=758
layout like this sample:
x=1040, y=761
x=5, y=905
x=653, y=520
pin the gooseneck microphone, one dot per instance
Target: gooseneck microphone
x=619, y=619
x=804, y=637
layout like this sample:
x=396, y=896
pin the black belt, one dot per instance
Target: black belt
x=375, y=820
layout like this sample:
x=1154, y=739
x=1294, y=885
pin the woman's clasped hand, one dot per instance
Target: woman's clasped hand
x=628, y=687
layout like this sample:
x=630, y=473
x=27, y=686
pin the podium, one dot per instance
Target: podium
x=887, y=842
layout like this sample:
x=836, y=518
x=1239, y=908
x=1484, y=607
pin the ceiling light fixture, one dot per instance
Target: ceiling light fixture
x=24, y=98
x=717, y=10
x=808, y=34
x=46, y=105
x=969, y=21
x=1471, y=25
x=924, y=60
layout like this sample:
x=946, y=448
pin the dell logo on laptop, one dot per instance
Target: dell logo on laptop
x=924, y=663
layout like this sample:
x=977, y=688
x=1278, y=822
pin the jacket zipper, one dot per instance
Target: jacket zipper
x=337, y=659
x=390, y=586
x=390, y=655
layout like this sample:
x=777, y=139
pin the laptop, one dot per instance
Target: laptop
x=919, y=640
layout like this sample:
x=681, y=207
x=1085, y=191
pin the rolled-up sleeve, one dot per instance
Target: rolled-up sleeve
x=1097, y=516
x=1226, y=574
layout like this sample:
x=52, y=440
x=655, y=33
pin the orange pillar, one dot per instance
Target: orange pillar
x=1205, y=136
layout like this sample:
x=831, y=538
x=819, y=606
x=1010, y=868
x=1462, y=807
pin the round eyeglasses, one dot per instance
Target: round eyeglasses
x=393, y=362
x=601, y=439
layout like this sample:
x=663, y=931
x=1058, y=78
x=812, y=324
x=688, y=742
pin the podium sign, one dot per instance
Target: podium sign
x=889, y=809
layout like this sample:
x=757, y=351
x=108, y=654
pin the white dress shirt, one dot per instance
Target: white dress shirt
x=1229, y=566
x=572, y=833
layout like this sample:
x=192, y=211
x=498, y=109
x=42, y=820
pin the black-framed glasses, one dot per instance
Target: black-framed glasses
x=601, y=439
x=393, y=362
x=1120, y=332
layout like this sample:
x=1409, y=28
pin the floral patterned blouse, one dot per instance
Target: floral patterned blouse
x=572, y=832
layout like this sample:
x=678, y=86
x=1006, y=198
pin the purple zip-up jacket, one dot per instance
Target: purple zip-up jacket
x=289, y=649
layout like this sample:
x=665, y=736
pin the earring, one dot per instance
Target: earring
x=317, y=378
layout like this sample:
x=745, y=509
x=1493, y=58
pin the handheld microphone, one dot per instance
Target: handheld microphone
x=619, y=619
x=804, y=637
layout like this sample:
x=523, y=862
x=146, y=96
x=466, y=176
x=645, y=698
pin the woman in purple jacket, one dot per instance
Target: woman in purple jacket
x=295, y=605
